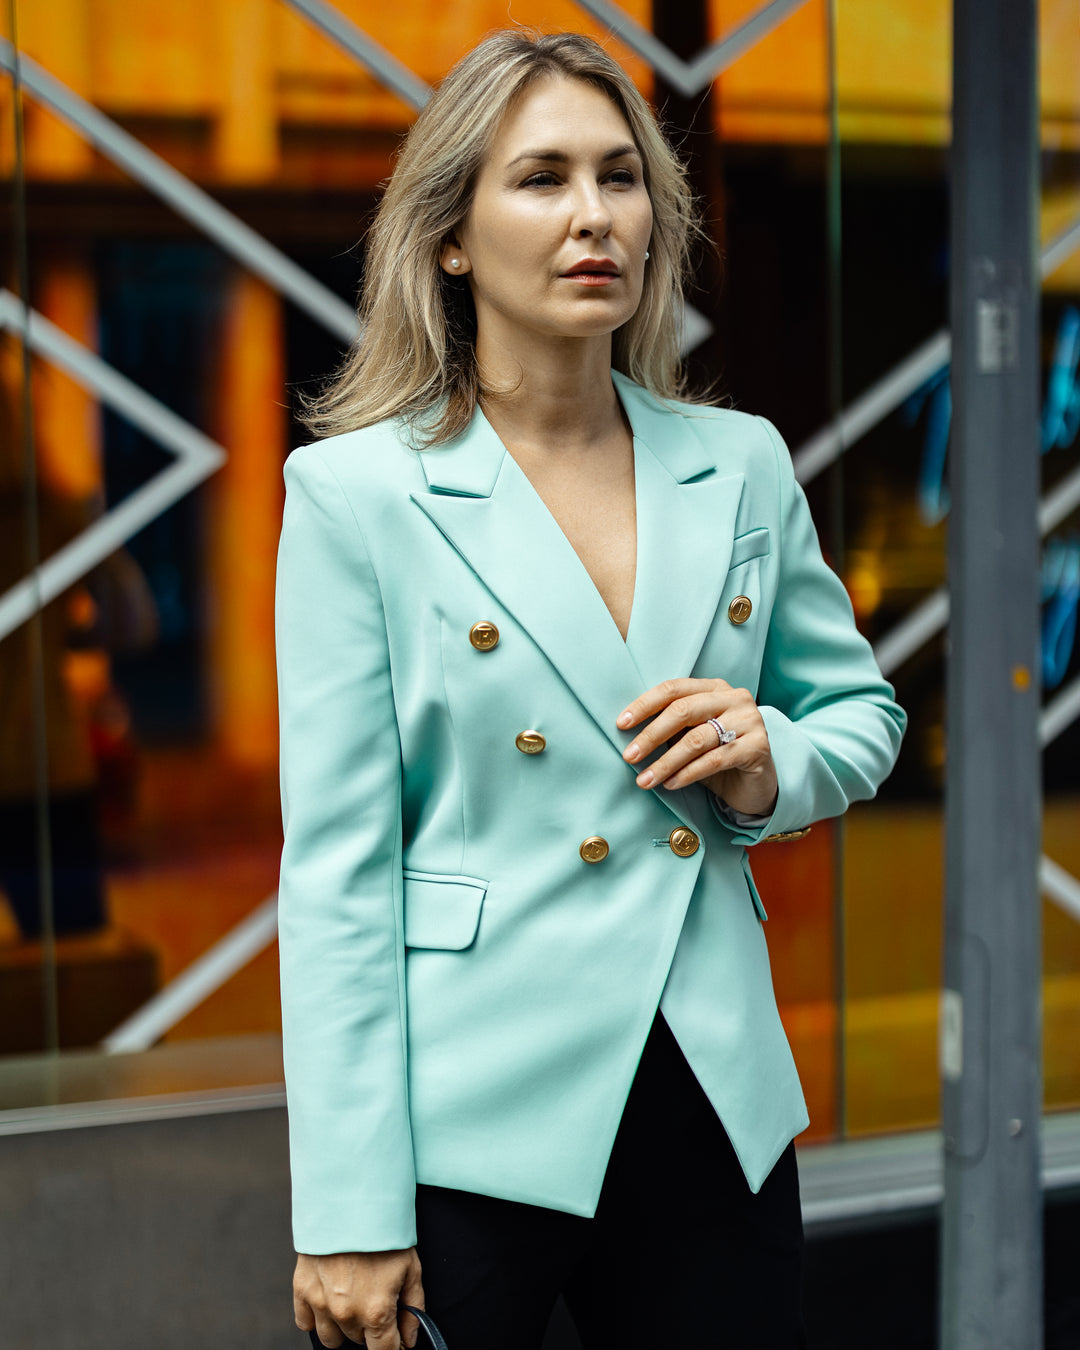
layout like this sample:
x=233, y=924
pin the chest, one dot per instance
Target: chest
x=595, y=508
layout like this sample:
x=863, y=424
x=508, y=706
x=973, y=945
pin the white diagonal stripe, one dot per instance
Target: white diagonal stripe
x=387, y=69
x=725, y=51
x=640, y=40
x=831, y=441
x=691, y=77
x=694, y=328
x=1060, y=886
x=1061, y=712
x=1061, y=501
x=197, y=459
x=925, y=361
x=932, y=614
x=904, y=639
x=872, y=407
x=246, y=245
x=1062, y=246
x=208, y=972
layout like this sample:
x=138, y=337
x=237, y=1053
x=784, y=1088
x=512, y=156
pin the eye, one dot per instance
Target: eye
x=545, y=178
x=623, y=177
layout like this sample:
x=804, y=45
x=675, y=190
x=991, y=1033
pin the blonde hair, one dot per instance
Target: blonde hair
x=416, y=356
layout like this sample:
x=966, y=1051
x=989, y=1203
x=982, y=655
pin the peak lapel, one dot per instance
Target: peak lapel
x=489, y=511
x=686, y=513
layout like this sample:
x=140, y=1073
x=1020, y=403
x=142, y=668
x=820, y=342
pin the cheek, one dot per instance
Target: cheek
x=503, y=241
x=646, y=225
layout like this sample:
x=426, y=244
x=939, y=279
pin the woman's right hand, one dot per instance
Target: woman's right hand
x=356, y=1294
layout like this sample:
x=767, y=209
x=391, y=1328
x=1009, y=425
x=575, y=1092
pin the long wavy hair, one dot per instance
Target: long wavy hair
x=415, y=357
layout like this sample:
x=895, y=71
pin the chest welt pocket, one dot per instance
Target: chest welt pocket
x=752, y=544
x=442, y=912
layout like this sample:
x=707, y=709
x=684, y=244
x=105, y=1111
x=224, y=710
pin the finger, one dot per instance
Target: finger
x=685, y=713
x=329, y=1332
x=302, y=1314
x=412, y=1293
x=696, y=755
x=381, y=1329
x=659, y=696
x=746, y=762
x=681, y=774
x=699, y=754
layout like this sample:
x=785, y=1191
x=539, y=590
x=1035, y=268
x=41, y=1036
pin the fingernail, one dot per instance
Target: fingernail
x=632, y=752
x=623, y=720
x=645, y=779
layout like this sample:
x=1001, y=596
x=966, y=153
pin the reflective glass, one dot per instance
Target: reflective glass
x=893, y=91
x=1059, y=75
x=159, y=476
x=821, y=157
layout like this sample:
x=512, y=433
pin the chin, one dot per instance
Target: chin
x=596, y=324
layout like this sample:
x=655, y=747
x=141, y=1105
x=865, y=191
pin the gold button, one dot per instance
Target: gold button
x=684, y=842
x=594, y=849
x=786, y=836
x=529, y=742
x=484, y=636
x=740, y=609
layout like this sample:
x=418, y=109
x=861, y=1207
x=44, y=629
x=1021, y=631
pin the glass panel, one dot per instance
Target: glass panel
x=893, y=82
x=1060, y=92
x=159, y=671
x=823, y=162
x=772, y=356
x=33, y=758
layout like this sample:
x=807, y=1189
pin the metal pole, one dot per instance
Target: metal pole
x=990, y=1046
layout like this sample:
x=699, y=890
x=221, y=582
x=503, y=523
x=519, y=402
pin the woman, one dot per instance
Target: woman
x=554, y=651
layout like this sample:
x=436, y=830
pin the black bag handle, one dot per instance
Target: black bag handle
x=433, y=1333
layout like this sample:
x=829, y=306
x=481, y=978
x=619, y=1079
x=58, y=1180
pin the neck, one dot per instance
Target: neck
x=557, y=398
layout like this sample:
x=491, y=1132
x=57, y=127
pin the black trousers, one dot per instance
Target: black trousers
x=679, y=1255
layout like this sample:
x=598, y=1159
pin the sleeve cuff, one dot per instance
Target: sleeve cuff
x=739, y=818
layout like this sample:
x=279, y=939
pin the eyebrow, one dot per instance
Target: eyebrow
x=561, y=157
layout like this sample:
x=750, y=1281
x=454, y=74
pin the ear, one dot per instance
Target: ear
x=453, y=259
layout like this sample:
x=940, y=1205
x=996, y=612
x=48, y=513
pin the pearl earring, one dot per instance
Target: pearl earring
x=455, y=262
x=646, y=255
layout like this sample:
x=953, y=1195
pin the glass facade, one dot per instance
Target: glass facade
x=156, y=334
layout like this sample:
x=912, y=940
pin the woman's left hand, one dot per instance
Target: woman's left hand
x=741, y=772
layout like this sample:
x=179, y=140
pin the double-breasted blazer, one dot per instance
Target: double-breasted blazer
x=465, y=995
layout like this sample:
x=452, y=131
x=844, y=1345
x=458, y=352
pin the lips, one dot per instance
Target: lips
x=593, y=267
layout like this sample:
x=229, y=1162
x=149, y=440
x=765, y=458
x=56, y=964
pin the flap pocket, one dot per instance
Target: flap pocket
x=442, y=911
x=752, y=544
x=758, y=906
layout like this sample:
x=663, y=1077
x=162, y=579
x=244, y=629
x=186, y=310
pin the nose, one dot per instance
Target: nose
x=592, y=216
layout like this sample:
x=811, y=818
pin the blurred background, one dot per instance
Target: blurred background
x=184, y=189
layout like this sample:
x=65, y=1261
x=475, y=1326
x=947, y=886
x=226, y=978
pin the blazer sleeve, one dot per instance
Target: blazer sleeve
x=340, y=905
x=833, y=724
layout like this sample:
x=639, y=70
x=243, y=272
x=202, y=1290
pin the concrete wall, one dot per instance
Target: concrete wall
x=169, y=1233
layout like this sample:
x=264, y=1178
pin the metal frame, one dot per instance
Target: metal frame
x=991, y=1027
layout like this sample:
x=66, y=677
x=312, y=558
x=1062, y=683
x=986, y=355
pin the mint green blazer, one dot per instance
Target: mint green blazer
x=464, y=998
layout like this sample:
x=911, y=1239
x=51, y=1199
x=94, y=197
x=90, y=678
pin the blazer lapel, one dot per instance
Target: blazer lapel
x=490, y=512
x=686, y=513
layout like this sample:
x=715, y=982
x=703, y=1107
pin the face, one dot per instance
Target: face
x=554, y=244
